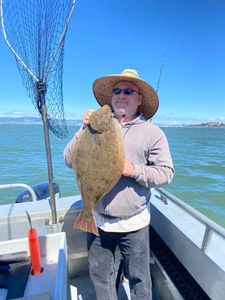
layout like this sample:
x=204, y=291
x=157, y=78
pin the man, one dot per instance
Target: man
x=122, y=215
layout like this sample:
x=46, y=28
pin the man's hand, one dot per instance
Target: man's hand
x=128, y=168
x=86, y=117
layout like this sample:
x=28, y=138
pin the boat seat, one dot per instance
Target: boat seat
x=41, y=190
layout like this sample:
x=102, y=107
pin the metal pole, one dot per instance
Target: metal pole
x=207, y=238
x=25, y=186
x=191, y=211
x=41, y=89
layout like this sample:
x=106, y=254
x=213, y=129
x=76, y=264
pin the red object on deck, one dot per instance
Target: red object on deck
x=35, y=256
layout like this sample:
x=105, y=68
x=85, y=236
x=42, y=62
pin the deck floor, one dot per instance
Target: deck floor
x=82, y=289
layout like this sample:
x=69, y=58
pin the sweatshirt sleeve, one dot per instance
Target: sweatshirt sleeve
x=159, y=168
x=69, y=147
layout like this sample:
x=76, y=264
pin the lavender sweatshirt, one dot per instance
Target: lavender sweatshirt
x=147, y=148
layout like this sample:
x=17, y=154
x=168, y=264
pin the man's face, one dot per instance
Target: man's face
x=126, y=105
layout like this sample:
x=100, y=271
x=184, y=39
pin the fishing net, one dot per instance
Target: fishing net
x=35, y=32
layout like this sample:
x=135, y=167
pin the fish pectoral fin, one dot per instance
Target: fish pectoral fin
x=86, y=224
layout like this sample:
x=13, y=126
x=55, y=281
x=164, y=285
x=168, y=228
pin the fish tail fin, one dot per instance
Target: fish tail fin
x=86, y=224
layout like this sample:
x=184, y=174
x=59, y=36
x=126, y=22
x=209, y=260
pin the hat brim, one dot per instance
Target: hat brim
x=102, y=89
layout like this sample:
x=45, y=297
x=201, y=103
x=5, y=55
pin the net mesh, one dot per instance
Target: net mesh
x=33, y=29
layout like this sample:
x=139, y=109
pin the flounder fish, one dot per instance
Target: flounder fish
x=98, y=161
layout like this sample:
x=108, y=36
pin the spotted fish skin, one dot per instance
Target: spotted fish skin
x=98, y=161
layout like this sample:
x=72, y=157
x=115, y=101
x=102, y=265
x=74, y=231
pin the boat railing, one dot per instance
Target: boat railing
x=22, y=185
x=210, y=225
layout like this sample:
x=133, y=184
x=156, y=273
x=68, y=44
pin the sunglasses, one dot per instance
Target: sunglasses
x=126, y=91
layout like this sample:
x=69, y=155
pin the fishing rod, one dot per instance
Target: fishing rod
x=160, y=73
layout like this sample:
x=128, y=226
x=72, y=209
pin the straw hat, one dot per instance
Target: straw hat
x=102, y=88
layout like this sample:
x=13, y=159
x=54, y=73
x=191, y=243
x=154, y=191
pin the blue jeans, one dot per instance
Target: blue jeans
x=134, y=247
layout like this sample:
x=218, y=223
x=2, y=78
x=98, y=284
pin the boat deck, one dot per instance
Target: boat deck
x=82, y=289
x=184, y=244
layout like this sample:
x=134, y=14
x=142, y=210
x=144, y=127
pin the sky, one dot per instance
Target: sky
x=106, y=37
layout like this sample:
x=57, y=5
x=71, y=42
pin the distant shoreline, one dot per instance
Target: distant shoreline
x=38, y=121
x=203, y=125
x=31, y=121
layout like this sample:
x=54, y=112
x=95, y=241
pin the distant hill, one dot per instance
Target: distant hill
x=20, y=120
x=201, y=125
x=212, y=124
x=37, y=120
x=32, y=121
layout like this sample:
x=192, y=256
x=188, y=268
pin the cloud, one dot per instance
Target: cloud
x=167, y=115
x=73, y=116
x=217, y=119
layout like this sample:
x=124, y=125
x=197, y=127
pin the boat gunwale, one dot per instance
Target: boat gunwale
x=210, y=224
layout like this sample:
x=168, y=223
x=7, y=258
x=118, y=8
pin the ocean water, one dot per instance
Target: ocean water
x=198, y=155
